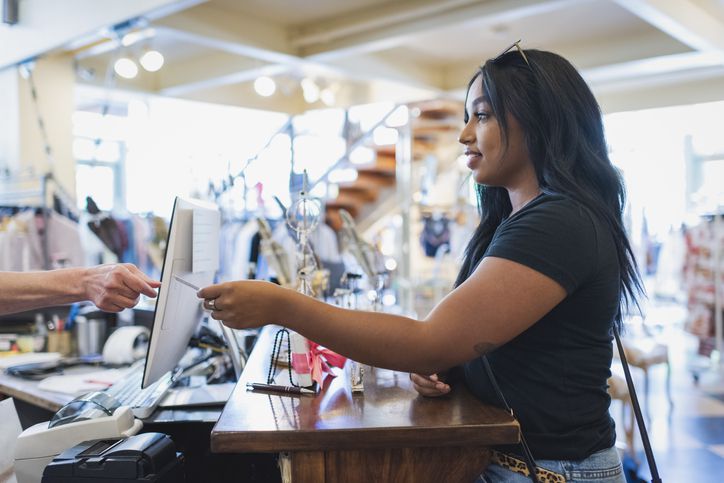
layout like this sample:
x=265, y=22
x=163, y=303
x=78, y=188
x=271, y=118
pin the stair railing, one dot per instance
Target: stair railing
x=354, y=145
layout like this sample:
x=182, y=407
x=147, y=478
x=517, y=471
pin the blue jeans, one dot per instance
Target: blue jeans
x=603, y=467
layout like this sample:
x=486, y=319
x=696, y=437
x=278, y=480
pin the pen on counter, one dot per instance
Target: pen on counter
x=273, y=387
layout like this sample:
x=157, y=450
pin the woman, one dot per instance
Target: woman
x=547, y=274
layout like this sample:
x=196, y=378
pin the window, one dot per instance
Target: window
x=99, y=150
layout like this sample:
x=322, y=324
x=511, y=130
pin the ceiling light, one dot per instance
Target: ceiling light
x=265, y=86
x=126, y=68
x=327, y=96
x=152, y=60
x=310, y=90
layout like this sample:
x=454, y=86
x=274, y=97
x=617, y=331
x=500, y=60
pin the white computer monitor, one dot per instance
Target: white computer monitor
x=190, y=263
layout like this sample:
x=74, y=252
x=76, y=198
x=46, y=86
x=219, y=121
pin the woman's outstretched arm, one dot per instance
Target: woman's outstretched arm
x=499, y=301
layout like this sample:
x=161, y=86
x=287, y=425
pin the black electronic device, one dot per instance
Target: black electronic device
x=41, y=370
x=147, y=457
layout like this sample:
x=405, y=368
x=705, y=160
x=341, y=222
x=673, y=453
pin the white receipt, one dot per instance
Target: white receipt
x=205, y=241
x=187, y=283
x=77, y=384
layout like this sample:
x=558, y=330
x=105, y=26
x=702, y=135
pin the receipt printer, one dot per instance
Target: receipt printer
x=147, y=457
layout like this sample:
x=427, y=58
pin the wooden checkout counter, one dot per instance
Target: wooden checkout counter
x=387, y=433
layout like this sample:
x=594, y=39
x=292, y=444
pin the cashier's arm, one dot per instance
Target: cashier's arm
x=499, y=301
x=111, y=287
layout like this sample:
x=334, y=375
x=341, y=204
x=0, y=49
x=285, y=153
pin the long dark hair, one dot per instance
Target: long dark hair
x=564, y=135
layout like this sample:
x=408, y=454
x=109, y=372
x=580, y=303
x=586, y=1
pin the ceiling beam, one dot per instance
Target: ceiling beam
x=269, y=44
x=673, y=90
x=229, y=31
x=201, y=67
x=661, y=70
x=389, y=68
x=603, y=60
x=683, y=20
x=234, y=33
x=373, y=32
x=113, y=41
x=219, y=80
x=665, y=78
x=371, y=67
x=650, y=67
x=371, y=18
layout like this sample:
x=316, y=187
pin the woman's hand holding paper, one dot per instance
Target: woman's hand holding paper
x=243, y=304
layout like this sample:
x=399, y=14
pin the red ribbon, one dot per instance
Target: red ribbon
x=320, y=359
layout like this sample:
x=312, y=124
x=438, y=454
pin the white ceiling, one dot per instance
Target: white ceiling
x=295, y=13
x=481, y=38
x=216, y=49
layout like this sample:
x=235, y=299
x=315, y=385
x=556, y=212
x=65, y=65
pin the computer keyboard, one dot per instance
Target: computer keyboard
x=143, y=402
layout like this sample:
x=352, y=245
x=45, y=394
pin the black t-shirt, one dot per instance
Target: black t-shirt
x=554, y=374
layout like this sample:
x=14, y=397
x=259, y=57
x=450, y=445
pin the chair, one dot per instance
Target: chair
x=645, y=353
x=618, y=390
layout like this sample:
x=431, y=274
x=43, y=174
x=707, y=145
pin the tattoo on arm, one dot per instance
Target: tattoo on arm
x=483, y=348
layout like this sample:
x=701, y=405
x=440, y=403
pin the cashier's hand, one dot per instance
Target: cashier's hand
x=243, y=304
x=429, y=386
x=115, y=287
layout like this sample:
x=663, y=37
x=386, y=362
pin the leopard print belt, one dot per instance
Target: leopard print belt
x=519, y=466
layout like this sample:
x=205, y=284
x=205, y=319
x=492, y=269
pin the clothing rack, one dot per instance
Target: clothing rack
x=718, y=289
x=705, y=284
x=36, y=198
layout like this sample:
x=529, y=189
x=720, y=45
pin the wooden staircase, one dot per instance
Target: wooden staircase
x=376, y=181
x=372, y=180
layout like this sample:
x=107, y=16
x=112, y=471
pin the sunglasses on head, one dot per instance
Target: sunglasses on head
x=515, y=44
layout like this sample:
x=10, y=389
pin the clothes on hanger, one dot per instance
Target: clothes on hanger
x=701, y=274
x=132, y=239
x=435, y=234
x=60, y=206
x=22, y=242
x=236, y=240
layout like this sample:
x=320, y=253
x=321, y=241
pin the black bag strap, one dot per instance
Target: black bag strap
x=634, y=402
x=637, y=411
x=529, y=461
